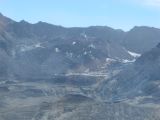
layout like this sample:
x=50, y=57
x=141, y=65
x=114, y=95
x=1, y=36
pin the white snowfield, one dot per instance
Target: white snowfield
x=134, y=54
x=128, y=61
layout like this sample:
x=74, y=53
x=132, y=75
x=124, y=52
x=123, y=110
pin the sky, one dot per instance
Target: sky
x=119, y=14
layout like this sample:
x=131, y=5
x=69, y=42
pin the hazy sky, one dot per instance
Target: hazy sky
x=122, y=14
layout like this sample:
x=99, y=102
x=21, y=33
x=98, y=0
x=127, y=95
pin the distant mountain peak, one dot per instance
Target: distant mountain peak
x=40, y=22
x=142, y=28
x=24, y=22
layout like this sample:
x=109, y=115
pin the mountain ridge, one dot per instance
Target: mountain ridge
x=52, y=72
x=74, y=47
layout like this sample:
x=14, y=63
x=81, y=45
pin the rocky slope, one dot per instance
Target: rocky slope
x=138, y=82
x=50, y=72
x=43, y=49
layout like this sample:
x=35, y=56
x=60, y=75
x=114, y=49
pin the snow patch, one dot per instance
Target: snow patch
x=134, y=54
x=128, y=61
x=110, y=60
x=38, y=45
x=57, y=50
x=92, y=46
x=84, y=35
x=73, y=43
x=85, y=53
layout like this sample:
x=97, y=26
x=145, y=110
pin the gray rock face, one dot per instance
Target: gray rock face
x=43, y=49
x=139, y=81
